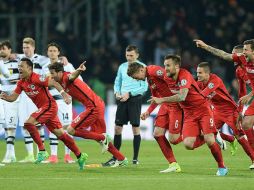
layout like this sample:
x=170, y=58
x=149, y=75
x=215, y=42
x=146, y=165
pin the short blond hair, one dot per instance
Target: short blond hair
x=29, y=40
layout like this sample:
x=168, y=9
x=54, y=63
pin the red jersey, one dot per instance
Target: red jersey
x=249, y=67
x=242, y=78
x=36, y=89
x=194, y=98
x=216, y=91
x=80, y=91
x=157, y=84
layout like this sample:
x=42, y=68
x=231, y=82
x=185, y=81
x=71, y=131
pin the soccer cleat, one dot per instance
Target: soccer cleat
x=28, y=159
x=251, y=166
x=120, y=163
x=52, y=159
x=109, y=163
x=41, y=156
x=82, y=160
x=221, y=142
x=233, y=147
x=68, y=159
x=9, y=159
x=173, y=167
x=222, y=172
x=105, y=143
x=135, y=162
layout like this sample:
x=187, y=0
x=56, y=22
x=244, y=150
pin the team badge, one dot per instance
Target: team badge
x=42, y=78
x=32, y=86
x=210, y=85
x=159, y=73
x=183, y=82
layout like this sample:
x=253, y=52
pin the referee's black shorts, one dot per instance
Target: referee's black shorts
x=129, y=111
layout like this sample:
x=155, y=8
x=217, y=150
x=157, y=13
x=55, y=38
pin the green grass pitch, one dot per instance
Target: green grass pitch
x=198, y=171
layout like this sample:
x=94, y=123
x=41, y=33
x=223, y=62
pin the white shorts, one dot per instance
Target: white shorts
x=11, y=114
x=26, y=108
x=64, y=112
x=2, y=115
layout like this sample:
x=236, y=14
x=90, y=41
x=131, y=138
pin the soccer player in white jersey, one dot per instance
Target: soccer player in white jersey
x=26, y=106
x=64, y=110
x=8, y=84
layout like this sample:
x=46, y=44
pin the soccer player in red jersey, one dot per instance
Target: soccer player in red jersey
x=243, y=81
x=90, y=124
x=225, y=109
x=246, y=61
x=198, y=117
x=35, y=86
x=169, y=116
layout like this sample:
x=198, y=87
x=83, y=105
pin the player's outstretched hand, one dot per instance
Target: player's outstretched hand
x=200, y=43
x=245, y=99
x=155, y=100
x=3, y=95
x=82, y=66
x=66, y=97
x=144, y=115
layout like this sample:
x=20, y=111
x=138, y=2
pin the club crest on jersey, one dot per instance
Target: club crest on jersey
x=32, y=86
x=42, y=78
x=210, y=85
x=183, y=82
x=159, y=73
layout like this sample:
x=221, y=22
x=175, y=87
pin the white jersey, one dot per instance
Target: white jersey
x=40, y=62
x=9, y=84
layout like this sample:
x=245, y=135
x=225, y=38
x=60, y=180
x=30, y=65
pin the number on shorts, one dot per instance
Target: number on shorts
x=211, y=122
x=176, y=124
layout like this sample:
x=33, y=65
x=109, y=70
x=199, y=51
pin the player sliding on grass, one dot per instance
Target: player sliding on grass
x=169, y=116
x=90, y=124
x=36, y=87
x=198, y=118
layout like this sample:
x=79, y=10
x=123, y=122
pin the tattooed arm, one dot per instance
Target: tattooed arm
x=217, y=52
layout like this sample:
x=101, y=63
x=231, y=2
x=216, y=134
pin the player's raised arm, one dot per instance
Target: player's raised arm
x=217, y=52
x=77, y=72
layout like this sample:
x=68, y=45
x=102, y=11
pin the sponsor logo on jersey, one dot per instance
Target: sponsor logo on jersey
x=32, y=86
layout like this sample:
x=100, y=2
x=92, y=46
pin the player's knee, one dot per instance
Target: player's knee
x=246, y=124
x=188, y=144
x=118, y=130
x=70, y=131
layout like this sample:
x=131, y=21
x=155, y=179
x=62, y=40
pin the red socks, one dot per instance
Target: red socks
x=216, y=152
x=70, y=143
x=89, y=135
x=166, y=148
x=116, y=153
x=35, y=135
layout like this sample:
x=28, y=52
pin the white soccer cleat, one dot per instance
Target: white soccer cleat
x=105, y=143
x=221, y=142
x=9, y=159
x=251, y=166
x=120, y=163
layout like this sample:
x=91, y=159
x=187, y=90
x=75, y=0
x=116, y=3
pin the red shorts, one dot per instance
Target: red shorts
x=220, y=118
x=198, y=121
x=92, y=119
x=47, y=115
x=170, y=118
x=250, y=109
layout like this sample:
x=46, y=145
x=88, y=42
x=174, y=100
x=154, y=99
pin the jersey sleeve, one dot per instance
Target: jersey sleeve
x=239, y=58
x=211, y=86
x=185, y=80
x=18, y=88
x=41, y=80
